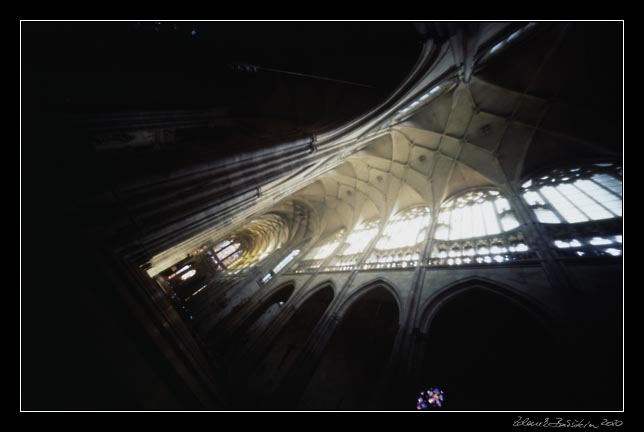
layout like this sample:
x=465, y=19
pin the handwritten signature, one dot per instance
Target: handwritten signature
x=558, y=422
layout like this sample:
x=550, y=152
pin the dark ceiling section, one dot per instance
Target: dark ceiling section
x=108, y=67
x=573, y=70
x=130, y=100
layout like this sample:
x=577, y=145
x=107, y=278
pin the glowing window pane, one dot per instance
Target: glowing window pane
x=522, y=247
x=227, y=251
x=491, y=224
x=188, y=275
x=577, y=195
x=478, y=226
x=444, y=217
x=467, y=222
x=232, y=258
x=570, y=213
x=359, y=239
x=325, y=250
x=609, y=182
x=598, y=241
x=582, y=201
x=222, y=245
x=286, y=260
x=546, y=216
x=421, y=236
x=441, y=232
x=502, y=205
x=456, y=225
x=533, y=198
x=184, y=268
x=509, y=222
x=403, y=230
x=476, y=214
x=608, y=199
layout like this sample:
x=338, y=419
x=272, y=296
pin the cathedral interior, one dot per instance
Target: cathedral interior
x=321, y=215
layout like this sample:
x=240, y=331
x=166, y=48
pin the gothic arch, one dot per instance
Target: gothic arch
x=368, y=286
x=477, y=334
x=266, y=294
x=351, y=371
x=259, y=307
x=432, y=305
x=301, y=296
x=283, y=347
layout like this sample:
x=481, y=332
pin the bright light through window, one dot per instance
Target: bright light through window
x=576, y=195
x=286, y=260
x=360, y=238
x=475, y=214
x=188, y=275
x=324, y=251
x=478, y=227
x=228, y=251
x=326, y=248
x=407, y=228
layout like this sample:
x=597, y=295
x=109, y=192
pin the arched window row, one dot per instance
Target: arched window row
x=580, y=208
x=480, y=227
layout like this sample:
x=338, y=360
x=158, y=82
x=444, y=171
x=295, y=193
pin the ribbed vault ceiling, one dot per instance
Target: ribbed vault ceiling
x=526, y=106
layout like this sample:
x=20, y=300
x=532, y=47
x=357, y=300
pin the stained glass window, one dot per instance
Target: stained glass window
x=432, y=398
x=226, y=253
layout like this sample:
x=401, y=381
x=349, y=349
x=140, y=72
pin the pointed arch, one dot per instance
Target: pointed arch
x=304, y=315
x=379, y=281
x=351, y=371
x=431, y=305
x=477, y=334
x=301, y=297
x=267, y=301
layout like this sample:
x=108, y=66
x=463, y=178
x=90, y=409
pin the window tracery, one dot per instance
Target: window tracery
x=401, y=242
x=478, y=227
x=580, y=208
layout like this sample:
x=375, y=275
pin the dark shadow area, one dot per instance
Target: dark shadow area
x=282, y=353
x=349, y=374
x=487, y=353
x=268, y=308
